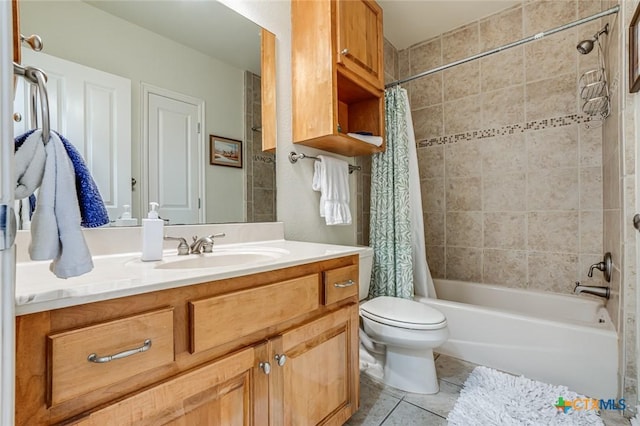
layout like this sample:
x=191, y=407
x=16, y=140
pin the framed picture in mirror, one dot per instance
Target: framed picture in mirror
x=634, y=53
x=225, y=151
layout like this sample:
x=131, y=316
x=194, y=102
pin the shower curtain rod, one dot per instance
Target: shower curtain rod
x=534, y=37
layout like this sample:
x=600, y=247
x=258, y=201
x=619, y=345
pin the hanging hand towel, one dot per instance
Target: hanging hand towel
x=55, y=226
x=92, y=208
x=29, y=163
x=30, y=156
x=331, y=178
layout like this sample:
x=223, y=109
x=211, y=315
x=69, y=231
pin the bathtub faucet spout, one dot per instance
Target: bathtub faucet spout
x=592, y=289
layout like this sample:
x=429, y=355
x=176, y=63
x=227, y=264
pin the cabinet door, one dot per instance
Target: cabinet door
x=220, y=393
x=360, y=39
x=319, y=379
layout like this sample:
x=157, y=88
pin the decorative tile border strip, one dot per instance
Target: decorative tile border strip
x=508, y=130
x=267, y=159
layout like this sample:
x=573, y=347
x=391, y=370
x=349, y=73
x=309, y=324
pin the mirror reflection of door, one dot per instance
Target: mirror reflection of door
x=92, y=109
x=173, y=154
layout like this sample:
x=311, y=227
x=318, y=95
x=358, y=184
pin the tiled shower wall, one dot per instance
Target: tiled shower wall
x=620, y=200
x=511, y=171
x=260, y=166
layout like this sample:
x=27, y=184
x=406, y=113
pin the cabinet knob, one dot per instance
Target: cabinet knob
x=281, y=359
x=17, y=117
x=344, y=51
x=266, y=367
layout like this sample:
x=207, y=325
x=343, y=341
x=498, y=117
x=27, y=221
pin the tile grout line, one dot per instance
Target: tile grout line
x=391, y=412
x=427, y=410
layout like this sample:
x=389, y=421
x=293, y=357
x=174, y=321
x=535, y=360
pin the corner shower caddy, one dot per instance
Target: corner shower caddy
x=594, y=88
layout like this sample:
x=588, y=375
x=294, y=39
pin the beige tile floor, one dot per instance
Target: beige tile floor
x=382, y=405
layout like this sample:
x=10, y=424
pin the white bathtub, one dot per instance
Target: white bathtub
x=559, y=339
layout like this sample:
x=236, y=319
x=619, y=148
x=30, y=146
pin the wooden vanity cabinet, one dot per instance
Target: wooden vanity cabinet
x=337, y=74
x=317, y=376
x=218, y=393
x=275, y=348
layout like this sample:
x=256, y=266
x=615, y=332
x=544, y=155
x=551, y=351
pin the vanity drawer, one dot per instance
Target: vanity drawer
x=340, y=283
x=221, y=319
x=123, y=348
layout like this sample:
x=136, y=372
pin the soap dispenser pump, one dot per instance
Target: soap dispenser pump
x=152, y=234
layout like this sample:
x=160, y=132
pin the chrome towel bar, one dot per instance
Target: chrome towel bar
x=294, y=157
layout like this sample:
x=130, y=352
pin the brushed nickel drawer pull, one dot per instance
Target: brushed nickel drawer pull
x=102, y=359
x=348, y=283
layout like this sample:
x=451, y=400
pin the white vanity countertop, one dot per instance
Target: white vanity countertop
x=119, y=275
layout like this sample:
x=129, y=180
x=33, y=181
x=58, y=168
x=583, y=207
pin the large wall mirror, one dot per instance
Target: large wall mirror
x=191, y=69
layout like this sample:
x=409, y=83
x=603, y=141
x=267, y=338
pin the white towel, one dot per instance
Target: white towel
x=373, y=140
x=331, y=178
x=55, y=225
x=29, y=165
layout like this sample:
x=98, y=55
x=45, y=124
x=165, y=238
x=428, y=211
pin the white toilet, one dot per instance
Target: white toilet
x=402, y=333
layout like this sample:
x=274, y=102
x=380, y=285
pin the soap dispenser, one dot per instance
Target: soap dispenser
x=125, y=218
x=152, y=234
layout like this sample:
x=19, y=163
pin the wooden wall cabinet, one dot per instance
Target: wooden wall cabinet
x=337, y=74
x=268, y=90
x=276, y=348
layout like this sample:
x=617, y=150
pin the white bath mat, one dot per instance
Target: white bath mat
x=490, y=397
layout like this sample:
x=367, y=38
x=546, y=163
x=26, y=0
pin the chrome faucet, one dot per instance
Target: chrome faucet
x=592, y=289
x=204, y=244
x=605, y=266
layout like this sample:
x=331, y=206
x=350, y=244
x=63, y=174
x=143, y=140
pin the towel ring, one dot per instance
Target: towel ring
x=38, y=78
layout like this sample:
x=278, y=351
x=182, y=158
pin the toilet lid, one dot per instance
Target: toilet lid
x=403, y=313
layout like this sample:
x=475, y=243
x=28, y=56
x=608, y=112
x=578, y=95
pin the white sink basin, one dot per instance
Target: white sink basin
x=215, y=260
x=221, y=258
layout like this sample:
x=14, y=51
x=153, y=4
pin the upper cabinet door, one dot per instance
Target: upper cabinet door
x=268, y=90
x=360, y=39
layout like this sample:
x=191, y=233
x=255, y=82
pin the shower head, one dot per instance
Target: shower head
x=586, y=46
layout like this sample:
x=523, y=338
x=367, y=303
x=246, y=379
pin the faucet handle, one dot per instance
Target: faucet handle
x=207, y=245
x=183, y=247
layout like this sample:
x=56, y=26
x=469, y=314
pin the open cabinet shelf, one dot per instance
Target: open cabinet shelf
x=337, y=89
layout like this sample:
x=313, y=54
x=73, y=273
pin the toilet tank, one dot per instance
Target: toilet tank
x=366, y=263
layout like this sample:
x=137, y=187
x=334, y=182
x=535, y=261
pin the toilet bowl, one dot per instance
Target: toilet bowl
x=407, y=330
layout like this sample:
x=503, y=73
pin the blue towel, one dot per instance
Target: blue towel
x=92, y=209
